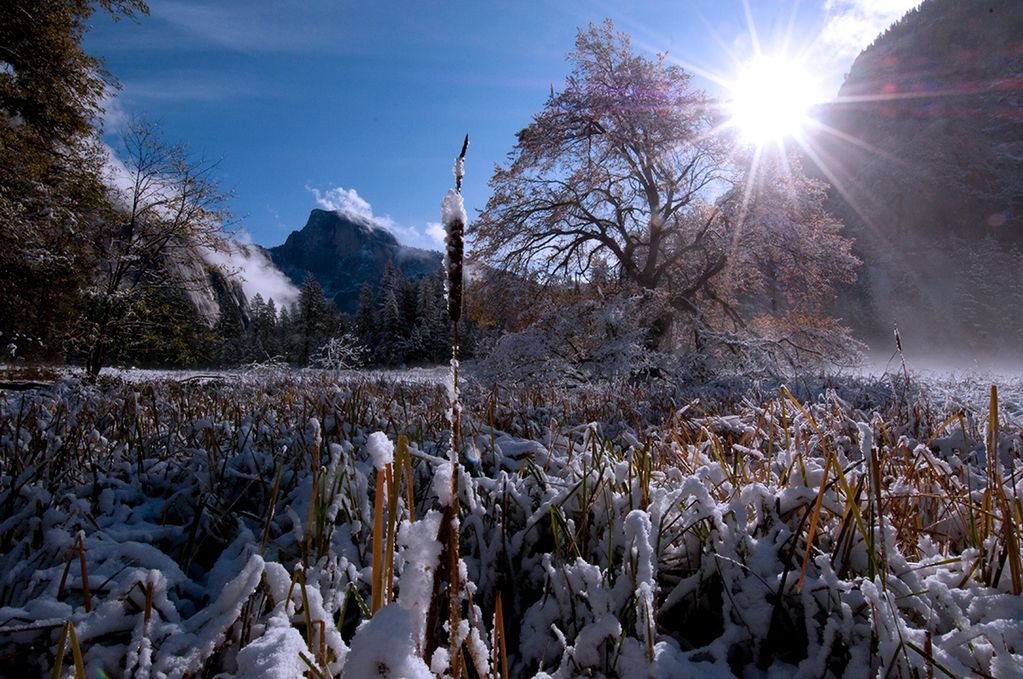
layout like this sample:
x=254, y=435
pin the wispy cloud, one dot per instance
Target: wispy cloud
x=250, y=266
x=851, y=25
x=435, y=230
x=348, y=202
x=226, y=26
x=191, y=86
x=255, y=26
x=114, y=118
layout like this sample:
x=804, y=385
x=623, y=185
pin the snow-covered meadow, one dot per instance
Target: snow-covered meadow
x=156, y=527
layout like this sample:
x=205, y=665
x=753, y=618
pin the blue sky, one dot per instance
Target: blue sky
x=362, y=105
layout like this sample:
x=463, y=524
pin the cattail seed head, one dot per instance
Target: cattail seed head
x=453, y=258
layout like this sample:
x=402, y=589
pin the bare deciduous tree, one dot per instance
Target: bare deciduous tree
x=164, y=207
x=628, y=167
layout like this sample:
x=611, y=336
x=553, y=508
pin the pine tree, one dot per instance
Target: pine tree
x=261, y=341
x=315, y=321
x=231, y=332
x=285, y=334
x=366, y=318
x=432, y=324
x=393, y=330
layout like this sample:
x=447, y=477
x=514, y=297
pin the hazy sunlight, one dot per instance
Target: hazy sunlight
x=771, y=100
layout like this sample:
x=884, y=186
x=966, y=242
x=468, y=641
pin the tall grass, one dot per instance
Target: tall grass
x=782, y=529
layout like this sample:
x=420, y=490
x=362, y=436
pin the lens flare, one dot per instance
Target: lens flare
x=771, y=100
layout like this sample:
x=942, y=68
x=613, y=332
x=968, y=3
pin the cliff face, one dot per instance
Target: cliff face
x=924, y=147
x=344, y=252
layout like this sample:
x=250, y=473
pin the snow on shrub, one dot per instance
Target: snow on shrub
x=227, y=529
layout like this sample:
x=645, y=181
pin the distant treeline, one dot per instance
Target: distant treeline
x=403, y=322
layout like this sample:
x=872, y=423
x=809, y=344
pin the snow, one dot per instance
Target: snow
x=380, y=450
x=442, y=482
x=630, y=534
x=452, y=210
x=420, y=551
x=383, y=647
x=275, y=654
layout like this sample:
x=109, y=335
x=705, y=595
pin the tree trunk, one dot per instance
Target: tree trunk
x=659, y=334
x=96, y=358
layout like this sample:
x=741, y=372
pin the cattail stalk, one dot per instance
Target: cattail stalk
x=454, y=218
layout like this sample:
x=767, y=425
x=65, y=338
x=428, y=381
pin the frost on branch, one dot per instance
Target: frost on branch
x=339, y=353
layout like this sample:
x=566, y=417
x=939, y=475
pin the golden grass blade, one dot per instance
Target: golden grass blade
x=58, y=662
x=403, y=458
x=377, y=584
x=814, y=517
x=76, y=652
x=392, y=522
x=500, y=636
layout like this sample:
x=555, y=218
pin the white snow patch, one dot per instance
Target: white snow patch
x=275, y=654
x=383, y=647
x=453, y=210
x=380, y=450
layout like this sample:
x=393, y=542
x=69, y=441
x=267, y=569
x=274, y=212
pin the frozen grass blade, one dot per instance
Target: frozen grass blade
x=996, y=482
x=500, y=649
x=811, y=532
x=68, y=635
x=316, y=673
x=392, y=524
x=377, y=588
x=77, y=548
x=271, y=507
x=403, y=460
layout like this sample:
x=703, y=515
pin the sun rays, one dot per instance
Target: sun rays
x=777, y=103
x=771, y=99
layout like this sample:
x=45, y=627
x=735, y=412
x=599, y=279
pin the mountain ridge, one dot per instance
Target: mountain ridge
x=343, y=252
x=924, y=151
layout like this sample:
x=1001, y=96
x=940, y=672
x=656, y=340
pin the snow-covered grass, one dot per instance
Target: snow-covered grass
x=232, y=528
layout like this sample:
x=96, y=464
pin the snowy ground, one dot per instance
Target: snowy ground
x=223, y=525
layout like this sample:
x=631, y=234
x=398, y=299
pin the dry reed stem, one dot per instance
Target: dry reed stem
x=403, y=459
x=455, y=245
x=77, y=548
x=147, y=616
x=499, y=638
x=76, y=653
x=377, y=585
x=392, y=523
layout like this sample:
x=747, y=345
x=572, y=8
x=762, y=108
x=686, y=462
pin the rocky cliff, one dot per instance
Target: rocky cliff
x=344, y=252
x=924, y=147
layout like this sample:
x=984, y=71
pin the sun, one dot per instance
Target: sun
x=771, y=100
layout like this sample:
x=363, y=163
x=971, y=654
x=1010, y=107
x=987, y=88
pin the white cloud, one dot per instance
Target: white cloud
x=253, y=269
x=435, y=230
x=347, y=202
x=115, y=119
x=851, y=25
